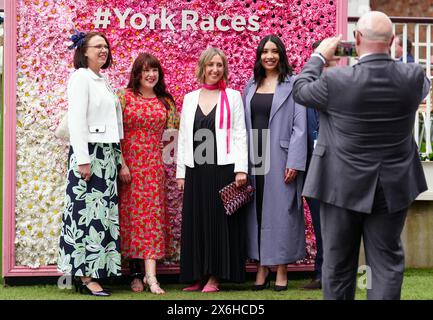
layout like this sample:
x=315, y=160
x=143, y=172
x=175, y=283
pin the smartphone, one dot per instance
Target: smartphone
x=346, y=49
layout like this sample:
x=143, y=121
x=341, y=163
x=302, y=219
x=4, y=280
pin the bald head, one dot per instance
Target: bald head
x=375, y=26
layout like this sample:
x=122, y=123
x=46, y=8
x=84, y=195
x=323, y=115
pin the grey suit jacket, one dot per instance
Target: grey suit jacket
x=365, y=137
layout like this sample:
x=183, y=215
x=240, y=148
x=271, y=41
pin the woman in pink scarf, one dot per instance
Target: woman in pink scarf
x=212, y=152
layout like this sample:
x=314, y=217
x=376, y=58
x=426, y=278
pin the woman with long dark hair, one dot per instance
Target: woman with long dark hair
x=278, y=145
x=148, y=109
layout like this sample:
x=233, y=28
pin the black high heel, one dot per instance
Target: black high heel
x=82, y=287
x=280, y=288
x=266, y=284
x=77, y=284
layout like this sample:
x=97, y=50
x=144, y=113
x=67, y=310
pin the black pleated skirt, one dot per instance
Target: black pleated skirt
x=212, y=243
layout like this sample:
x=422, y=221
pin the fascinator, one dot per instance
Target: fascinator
x=77, y=39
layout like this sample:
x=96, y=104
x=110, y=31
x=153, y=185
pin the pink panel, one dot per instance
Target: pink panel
x=9, y=180
x=9, y=268
x=342, y=11
x=9, y=117
x=161, y=269
x=9, y=156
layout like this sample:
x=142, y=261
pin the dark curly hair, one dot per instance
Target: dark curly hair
x=147, y=60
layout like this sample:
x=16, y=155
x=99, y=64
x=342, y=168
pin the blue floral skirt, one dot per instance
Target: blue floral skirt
x=89, y=239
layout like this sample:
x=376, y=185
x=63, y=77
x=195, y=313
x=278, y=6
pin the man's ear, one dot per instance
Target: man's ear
x=392, y=40
x=357, y=39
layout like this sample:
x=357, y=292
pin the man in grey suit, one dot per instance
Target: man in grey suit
x=365, y=168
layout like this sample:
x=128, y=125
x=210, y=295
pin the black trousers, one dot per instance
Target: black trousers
x=314, y=206
x=342, y=230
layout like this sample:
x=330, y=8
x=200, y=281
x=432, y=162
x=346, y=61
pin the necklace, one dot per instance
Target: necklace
x=268, y=81
x=147, y=94
x=269, y=85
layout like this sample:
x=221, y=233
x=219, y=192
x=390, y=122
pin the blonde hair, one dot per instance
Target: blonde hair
x=205, y=57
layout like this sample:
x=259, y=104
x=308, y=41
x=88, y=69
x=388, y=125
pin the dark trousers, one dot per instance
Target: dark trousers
x=314, y=206
x=342, y=230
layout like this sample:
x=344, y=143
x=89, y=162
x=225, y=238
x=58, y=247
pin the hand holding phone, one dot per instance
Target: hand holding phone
x=327, y=47
x=346, y=49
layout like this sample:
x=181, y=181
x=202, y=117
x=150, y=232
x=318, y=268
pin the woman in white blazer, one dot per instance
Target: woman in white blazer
x=89, y=241
x=212, y=152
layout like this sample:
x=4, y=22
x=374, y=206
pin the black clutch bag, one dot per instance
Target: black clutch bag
x=235, y=197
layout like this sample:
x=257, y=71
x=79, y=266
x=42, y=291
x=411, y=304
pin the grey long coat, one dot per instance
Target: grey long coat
x=282, y=231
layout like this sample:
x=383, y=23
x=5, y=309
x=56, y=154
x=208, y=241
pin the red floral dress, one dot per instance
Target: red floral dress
x=143, y=222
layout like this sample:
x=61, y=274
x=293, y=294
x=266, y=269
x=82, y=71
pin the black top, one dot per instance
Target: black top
x=202, y=121
x=261, y=104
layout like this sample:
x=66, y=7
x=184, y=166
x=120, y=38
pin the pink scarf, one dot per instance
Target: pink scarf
x=221, y=85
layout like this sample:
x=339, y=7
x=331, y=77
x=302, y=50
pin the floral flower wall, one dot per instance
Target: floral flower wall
x=44, y=64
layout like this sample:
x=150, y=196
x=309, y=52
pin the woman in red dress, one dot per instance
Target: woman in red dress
x=148, y=109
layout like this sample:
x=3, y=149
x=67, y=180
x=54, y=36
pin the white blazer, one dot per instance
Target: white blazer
x=94, y=113
x=238, y=136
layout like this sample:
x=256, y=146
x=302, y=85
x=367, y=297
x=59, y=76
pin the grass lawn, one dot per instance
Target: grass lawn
x=418, y=284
